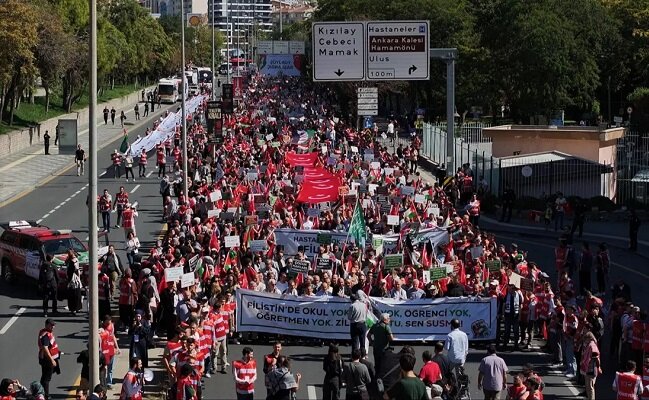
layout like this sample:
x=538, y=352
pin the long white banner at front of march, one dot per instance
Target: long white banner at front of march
x=325, y=317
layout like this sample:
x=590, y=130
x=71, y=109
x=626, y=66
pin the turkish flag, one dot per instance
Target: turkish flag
x=319, y=192
x=303, y=160
x=317, y=174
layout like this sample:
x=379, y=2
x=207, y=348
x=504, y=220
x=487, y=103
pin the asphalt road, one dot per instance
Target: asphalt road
x=61, y=204
x=63, y=201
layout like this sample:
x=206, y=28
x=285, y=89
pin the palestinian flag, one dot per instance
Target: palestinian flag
x=357, y=226
x=124, y=146
x=230, y=260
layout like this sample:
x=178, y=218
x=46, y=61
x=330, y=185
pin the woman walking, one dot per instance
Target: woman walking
x=74, y=282
x=333, y=368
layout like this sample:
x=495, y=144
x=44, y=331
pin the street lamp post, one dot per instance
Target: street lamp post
x=213, y=53
x=184, y=95
x=228, y=37
x=93, y=307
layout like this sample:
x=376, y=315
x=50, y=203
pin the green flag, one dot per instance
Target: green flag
x=357, y=226
x=124, y=146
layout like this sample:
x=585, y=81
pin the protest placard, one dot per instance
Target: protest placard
x=300, y=266
x=393, y=260
x=437, y=273
x=215, y=196
x=232, y=241
x=477, y=252
x=173, y=274
x=251, y=220
x=493, y=265
x=393, y=220
x=420, y=199
x=324, y=263
x=187, y=280
x=527, y=284
x=313, y=212
x=257, y=246
x=425, y=276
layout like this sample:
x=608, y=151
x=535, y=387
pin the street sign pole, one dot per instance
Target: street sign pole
x=184, y=104
x=448, y=56
x=93, y=307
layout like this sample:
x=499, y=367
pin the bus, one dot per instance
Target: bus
x=168, y=90
x=205, y=77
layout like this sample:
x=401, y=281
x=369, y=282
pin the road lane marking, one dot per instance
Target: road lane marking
x=45, y=216
x=552, y=247
x=135, y=188
x=103, y=173
x=38, y=221
x=311, y=392
x=149, y=174
x=12, y=320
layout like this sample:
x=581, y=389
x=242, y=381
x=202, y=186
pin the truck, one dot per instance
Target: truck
x=205, y=77
x=168, y=90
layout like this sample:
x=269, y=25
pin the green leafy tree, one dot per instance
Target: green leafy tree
x=18, y=38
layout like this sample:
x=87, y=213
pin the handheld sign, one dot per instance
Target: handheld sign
x=527, y=284
x=393, y=261
x=232, y=241
x=187, y=280
x=393, y=220
x=173, y=274
x=493, y=265
x=324, y=263
x=437, y=273
x=300, y=266
x=258, y=246
x=324, y=238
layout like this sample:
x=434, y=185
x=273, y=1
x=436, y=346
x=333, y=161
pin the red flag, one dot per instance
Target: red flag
x=462, y=274
x=320, y=192
x=425, y=258
x=299, y=280
x=163, y=283
x=214, y=241
x=243, y=281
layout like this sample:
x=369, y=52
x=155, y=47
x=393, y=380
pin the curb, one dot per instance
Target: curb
x=56, y=173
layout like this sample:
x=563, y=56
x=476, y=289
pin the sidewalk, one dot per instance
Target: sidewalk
x=23, y=171
x=597, y=231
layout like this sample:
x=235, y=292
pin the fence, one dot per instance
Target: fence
x=470, y=132
x=632, y=158
x=534, y=176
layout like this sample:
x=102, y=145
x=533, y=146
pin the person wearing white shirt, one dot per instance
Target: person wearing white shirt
x=457, y=346
x=397, y=292
x=308, y=224
x=271, y=288
x=324, y=290
x=282, y=284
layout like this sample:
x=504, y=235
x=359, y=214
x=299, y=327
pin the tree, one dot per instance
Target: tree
x=18, y=36
x=50, y=58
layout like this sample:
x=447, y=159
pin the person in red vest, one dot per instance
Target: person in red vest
x=10, y=389
x=128, y=219
x=474, y=210
x=645, y=378
x=133, y=381
x=161, y=161
x=220, y=345
x=128, y=294
x=627, y=384
x=141, y=162
x=105, y=204
x=121, y=200
x=245, y=375
x=105, y=289
x=48, y=355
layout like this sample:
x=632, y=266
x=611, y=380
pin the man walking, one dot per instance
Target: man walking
x=49, y=282
x=511, y=312
x=492, y=374
x=48, y=355
x=245, y=375
x=57, y=134
x=106, y=112
x=46, y=142
x=121, y=200
x=381, y=334
x=357, y=315
x=457, y=346
x=117, y=161
x=112, y=115
x=137, y=111
x=80, y=160
x=105, y=205
x=146, y=110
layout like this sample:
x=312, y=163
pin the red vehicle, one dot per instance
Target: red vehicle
x=24, y=244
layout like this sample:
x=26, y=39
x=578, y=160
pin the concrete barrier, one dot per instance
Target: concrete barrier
x=22, y=138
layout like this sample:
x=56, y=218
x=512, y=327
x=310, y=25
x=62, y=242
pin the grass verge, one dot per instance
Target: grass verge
x=29, y=114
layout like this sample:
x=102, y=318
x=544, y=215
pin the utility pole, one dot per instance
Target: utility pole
x=227, y=34
x=213, y=53
x=183, y=104
x=448, y=56
x=93, y=312
x=281, y=21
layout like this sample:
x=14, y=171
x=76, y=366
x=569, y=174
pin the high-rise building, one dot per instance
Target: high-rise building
x=242, y=16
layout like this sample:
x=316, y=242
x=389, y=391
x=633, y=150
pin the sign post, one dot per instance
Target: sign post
x=338, y=51
x=397, y=50
x=368, y=101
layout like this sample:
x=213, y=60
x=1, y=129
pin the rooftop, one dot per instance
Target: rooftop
x=567, y=132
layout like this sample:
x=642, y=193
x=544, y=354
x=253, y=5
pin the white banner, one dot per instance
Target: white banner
x=291, y=239
x=166, y=129
x=325, y=316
